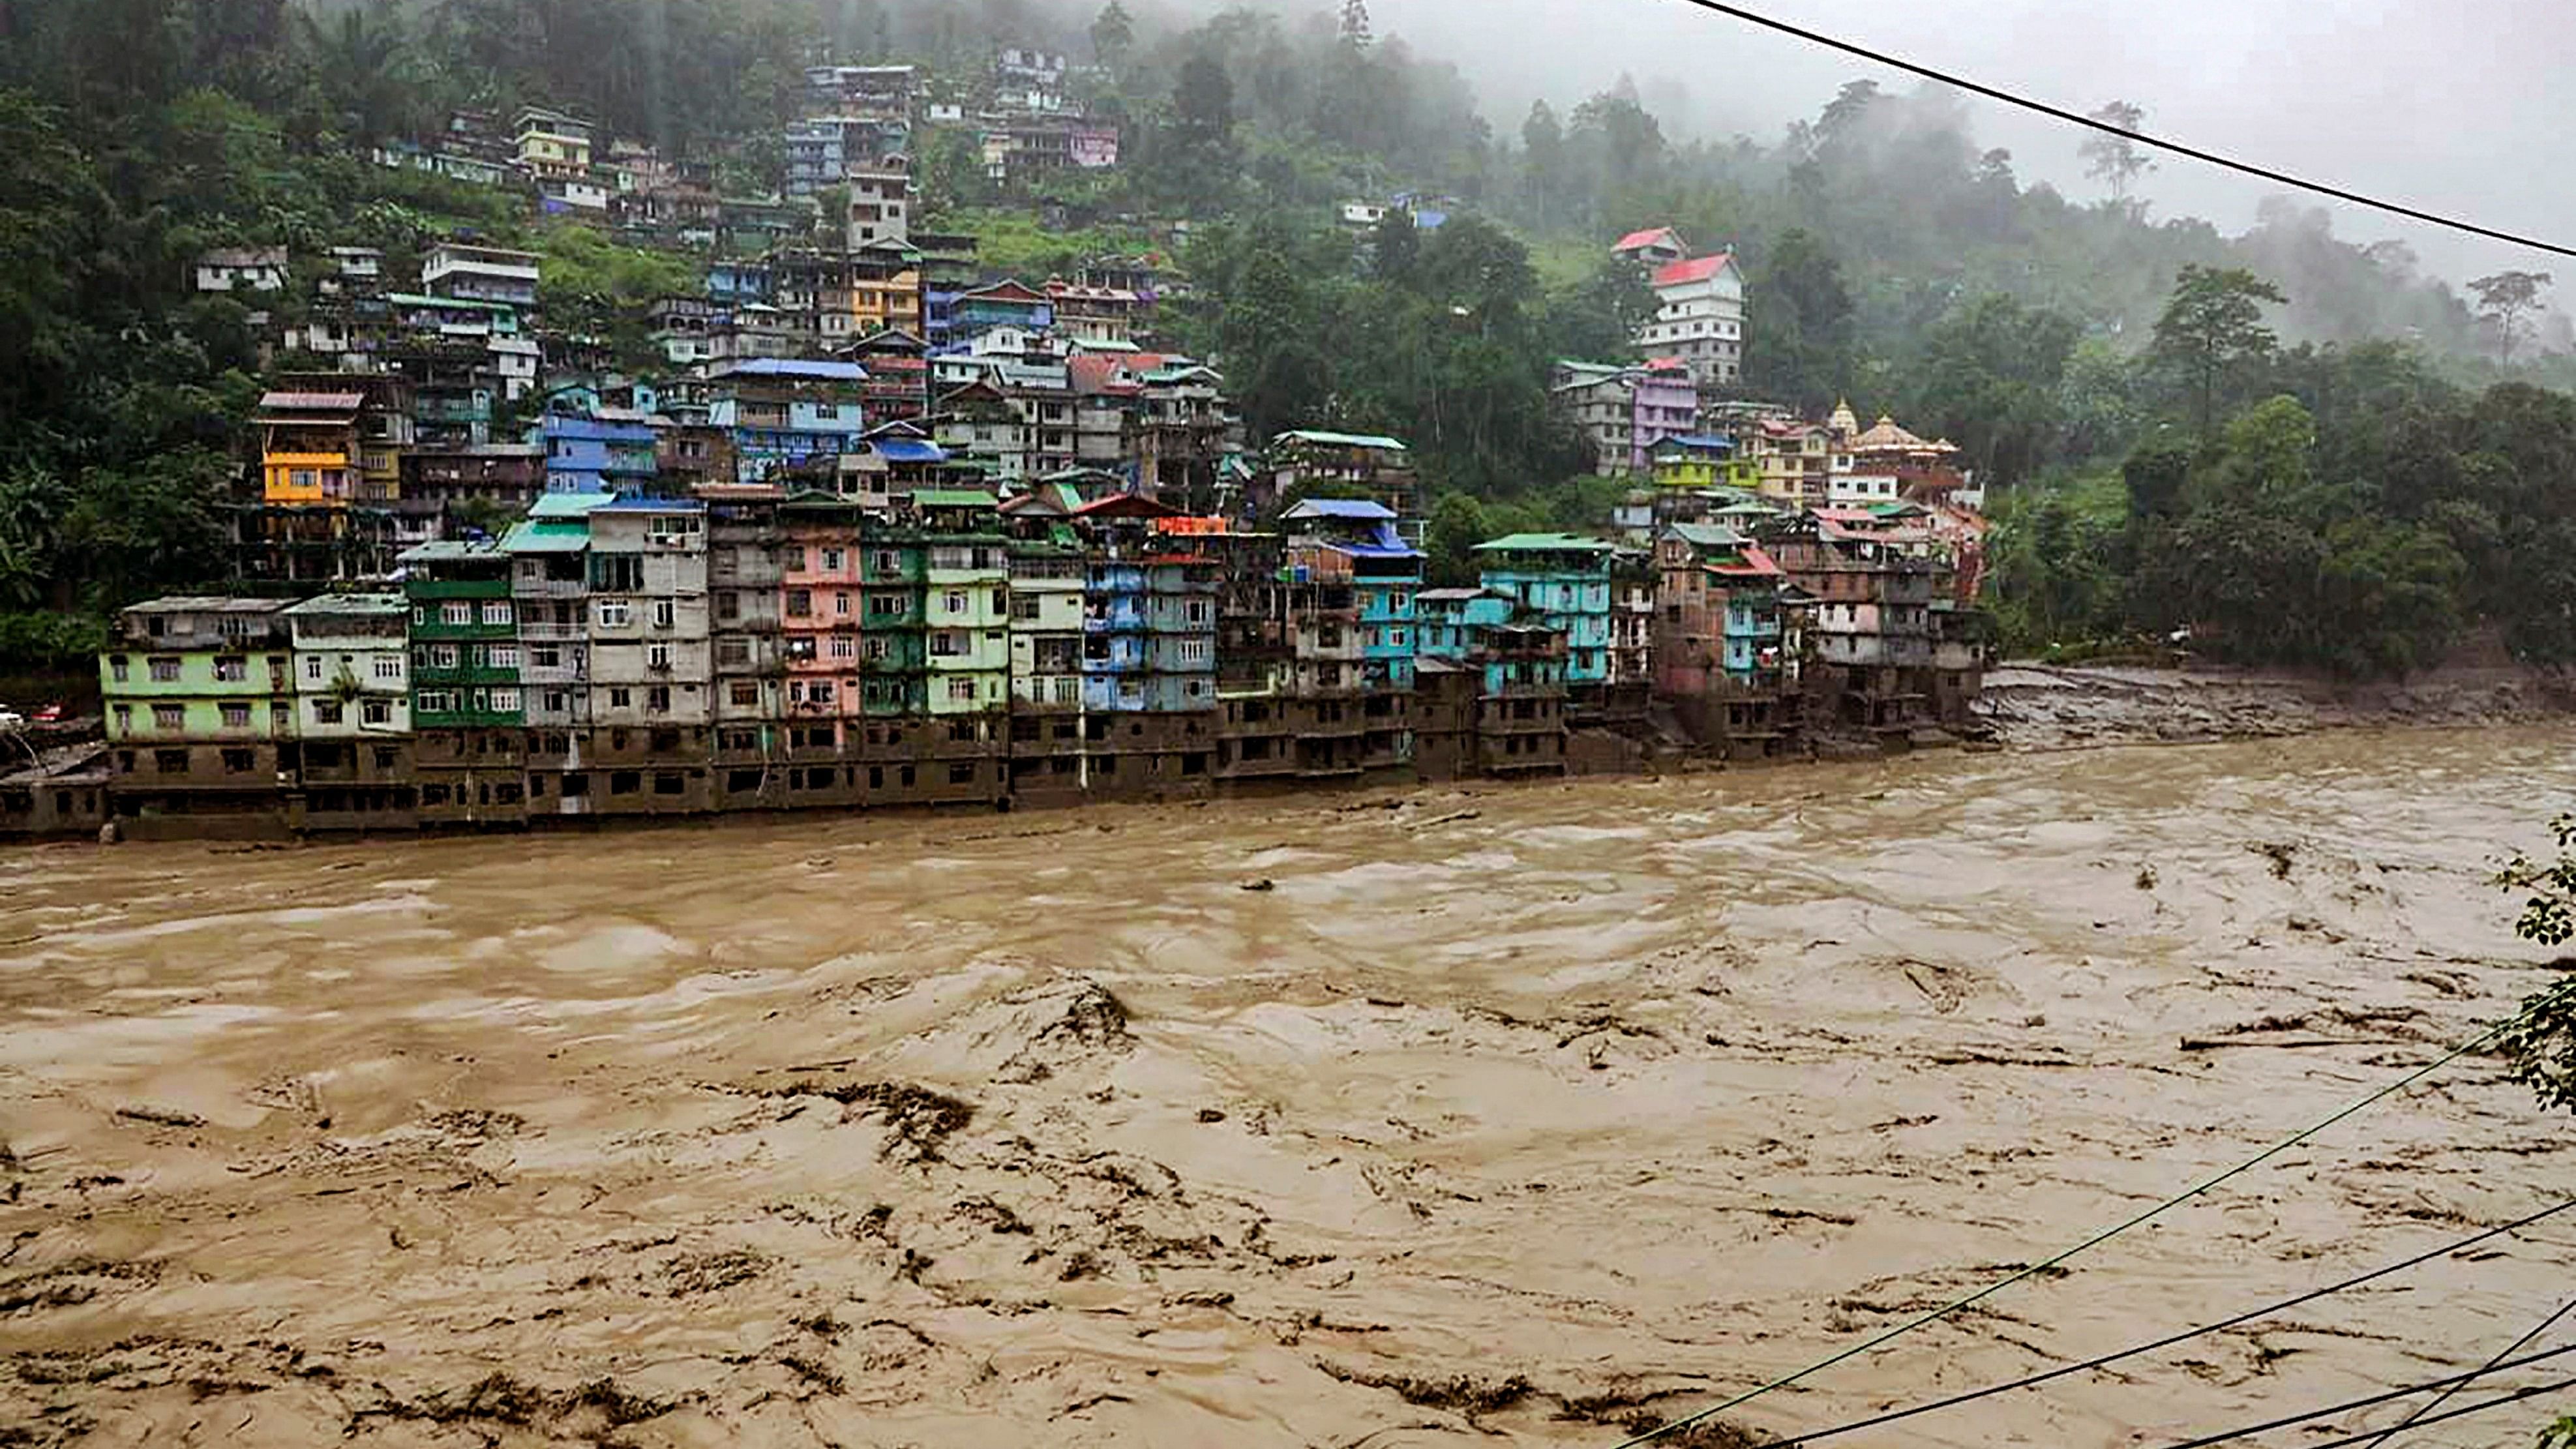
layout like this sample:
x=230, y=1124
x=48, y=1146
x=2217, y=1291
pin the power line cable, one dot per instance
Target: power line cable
x=2513, y=1398
x=2078, y=119
x=2382, y=1397
x=2170, y=1340
x=1876, y=1341
x=2507, y=1351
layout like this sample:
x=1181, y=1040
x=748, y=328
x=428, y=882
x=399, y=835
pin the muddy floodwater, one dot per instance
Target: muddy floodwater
x=1454, y=1117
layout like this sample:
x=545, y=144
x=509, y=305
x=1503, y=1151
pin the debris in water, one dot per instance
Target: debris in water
x=1256, y=883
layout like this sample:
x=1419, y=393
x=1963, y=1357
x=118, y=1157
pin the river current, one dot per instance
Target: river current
x=1458, y=1116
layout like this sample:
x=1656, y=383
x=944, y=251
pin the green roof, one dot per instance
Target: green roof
x=544, y=537
x=1706, y=535
x=569, y=505
x=1543, y=543
x=952, y=498
x=467, y=304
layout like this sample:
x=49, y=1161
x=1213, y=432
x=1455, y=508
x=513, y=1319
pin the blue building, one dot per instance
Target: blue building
x=1351, y=580
x=734, y=283
x=596, y=450
x=1566, y=579
x=784, y=413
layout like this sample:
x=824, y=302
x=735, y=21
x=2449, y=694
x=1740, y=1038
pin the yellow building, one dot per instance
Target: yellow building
x=885, y=289
x=308, y=447
x=1701, y=461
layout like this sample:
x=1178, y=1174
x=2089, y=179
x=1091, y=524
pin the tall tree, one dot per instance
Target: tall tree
x=1113, y=32
x=1543, y=140
x=2505, y=300
x=2211, y=330
x=2117, y=160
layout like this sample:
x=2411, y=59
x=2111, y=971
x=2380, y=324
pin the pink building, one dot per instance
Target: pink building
x=819, y=613
x=1625, y=410
x=1094, y=148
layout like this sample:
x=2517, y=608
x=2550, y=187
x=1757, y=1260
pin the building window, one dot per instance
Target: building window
x=387, y=668
x=800, y=603
x=557, y=701
x=169, y=718
x=376, y=711
x=744, y=693
x=962, y=773
x=876, y=649
x=945, y=645
x=621, y=698
x=442, y=656
x=657, y=656
x=616, y=614
x=505, y=701
x=961, y=691
x=832, y=558
x=496, y=615
x=170, y=762
x=124, y=719
x=312, y=668
x=231, y=669
x=664, y=613
x=165, y=671
x=657, y=699
x=844, y=647
x=236, y=716
x=456, y=613
x=435, y=701
x=954, y=602
x=501, y=656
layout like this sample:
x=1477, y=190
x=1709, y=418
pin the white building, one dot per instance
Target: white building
x=480, y=274
x=1699, y=317
x=242, y=269
x=880, y=207
x=352, y=667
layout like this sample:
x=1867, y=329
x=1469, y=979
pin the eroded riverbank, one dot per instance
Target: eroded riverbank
x=1604, y=1097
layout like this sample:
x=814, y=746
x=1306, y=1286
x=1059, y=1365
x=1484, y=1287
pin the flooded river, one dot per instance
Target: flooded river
x=1607, y=1098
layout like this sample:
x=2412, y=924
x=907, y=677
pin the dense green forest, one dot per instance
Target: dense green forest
x=2299, y=443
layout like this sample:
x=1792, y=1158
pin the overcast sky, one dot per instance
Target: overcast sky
x=2447, y=105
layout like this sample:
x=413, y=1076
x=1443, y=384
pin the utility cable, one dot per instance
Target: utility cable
x=2170, y=1340
x=1878, y=1340
x=2142, y=138
x=2508, y=1351
x=2515, y=1397
x=2381, y=1397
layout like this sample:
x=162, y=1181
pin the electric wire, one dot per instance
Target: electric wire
x=2170, y=1340
x=2382, y=1397
x=2515, y=1397
x=2507, y=1351
x=1881, y=1339
x=2075, y=118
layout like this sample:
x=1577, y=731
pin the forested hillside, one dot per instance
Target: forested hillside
x=2147, y=477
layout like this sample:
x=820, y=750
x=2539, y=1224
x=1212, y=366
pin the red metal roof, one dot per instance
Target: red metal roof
x=1697, y=269
x=1646, y=238
x=1125, y=505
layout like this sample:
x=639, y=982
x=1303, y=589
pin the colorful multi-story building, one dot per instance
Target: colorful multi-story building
x=1566, y=579
x=786, y=414
x=1624, y=410
x=468, y=713
x=746, y=593
x=1351, y=627
x=352, y=680
x=1720, y=660
x=1699, y=317
x=1492, y=694
x=651, y=664
x=200, y=703
x=1047, y=582
x=550, y=590
x=821, y=605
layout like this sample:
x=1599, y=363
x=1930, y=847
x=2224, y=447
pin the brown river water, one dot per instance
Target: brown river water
x=1608, y=1098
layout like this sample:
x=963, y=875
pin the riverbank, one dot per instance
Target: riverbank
x=1494, y=1118
x=2044, y=707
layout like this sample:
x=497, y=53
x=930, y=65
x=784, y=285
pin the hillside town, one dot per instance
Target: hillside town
x=885, y=527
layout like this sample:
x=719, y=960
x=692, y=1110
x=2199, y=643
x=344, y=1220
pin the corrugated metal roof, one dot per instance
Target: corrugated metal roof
x=1341, y=440
x=1367, y=510
x=1544, y=542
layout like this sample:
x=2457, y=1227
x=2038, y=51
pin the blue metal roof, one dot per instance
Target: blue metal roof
x=1699, y=440
x=909, y=450
x=1364, y=509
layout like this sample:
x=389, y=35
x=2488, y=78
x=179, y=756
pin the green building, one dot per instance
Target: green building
x=467, y=707
x=200, y=700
